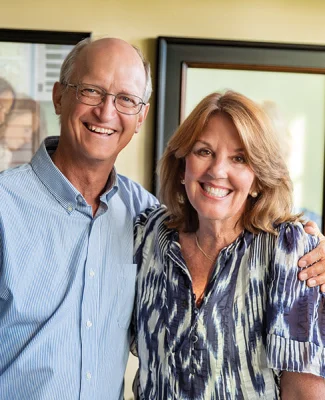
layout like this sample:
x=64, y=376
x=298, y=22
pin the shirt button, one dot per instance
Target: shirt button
x=89, y=324
x=194, y=339
x=88, y=376
x=91, y=273
x=70, y=208
x=192, y=370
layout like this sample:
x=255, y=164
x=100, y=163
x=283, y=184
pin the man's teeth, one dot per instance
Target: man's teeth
x=217, y=192
x=97, y=129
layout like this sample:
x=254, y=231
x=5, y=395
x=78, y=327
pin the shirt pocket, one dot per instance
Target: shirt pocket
x=125, y=294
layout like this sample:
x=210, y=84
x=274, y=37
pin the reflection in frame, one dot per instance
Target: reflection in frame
x=30, y=63
x=287, y=80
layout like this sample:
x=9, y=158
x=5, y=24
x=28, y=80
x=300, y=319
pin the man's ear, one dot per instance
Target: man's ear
x=142, y=116
x=57, y=97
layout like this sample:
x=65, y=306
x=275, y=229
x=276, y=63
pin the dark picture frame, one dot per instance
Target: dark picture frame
x=176, y=55
x=41, y=36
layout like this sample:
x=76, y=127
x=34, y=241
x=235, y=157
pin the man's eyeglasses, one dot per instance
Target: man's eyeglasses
x=94, y=95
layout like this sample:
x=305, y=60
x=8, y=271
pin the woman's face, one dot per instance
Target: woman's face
x=217, y=177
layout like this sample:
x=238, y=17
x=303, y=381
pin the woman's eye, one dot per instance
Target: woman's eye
x=203, y=152
x=239, y=159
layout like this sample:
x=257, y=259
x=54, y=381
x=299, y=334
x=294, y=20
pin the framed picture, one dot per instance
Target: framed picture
x=288, y=80
x=30, y=63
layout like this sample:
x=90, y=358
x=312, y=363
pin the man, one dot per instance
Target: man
x=67, y=277
x=66, y=236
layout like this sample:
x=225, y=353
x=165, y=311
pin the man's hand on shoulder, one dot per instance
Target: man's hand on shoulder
x=315, y=273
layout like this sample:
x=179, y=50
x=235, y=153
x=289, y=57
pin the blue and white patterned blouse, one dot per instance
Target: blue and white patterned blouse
x=256, y=320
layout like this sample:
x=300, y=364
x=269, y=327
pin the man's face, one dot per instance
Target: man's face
x=96, y=134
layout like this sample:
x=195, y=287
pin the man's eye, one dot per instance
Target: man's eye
x=127, y=100
x=90, y=92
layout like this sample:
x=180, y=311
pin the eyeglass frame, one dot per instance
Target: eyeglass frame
x=105, y=94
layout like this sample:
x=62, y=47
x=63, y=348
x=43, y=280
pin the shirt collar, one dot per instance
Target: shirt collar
x=57, y=184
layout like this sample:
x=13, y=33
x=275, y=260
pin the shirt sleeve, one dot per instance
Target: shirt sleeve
x=295, y=312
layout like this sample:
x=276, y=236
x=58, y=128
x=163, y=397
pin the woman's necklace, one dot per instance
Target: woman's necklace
x=201, y=250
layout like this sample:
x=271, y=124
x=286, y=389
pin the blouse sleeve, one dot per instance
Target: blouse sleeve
x=141, y=229
x=295, y=312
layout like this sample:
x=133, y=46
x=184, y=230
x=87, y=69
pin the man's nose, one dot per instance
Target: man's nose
x=107, y=109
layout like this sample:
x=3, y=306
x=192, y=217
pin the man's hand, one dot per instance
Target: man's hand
x=315, y=274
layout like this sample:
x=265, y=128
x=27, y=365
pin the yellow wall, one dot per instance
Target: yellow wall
x=141, y=21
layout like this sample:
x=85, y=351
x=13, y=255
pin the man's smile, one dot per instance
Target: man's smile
x=98, y=129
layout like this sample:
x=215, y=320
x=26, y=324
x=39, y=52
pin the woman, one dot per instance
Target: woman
x=220, y=313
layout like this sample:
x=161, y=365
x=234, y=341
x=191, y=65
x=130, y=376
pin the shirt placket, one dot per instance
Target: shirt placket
x=89, y=315
x=185, y=300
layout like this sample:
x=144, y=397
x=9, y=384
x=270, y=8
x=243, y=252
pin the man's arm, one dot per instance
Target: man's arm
x=315, y=274
x=302, y=386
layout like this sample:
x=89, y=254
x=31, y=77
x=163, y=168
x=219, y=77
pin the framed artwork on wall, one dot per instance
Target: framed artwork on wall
x=30, y=63
x=288, y=80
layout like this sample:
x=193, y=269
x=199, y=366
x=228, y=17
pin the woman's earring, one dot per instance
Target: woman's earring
x=254, y=194
x=183, y=181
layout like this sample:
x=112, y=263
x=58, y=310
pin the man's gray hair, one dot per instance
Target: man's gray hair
x=69, y=64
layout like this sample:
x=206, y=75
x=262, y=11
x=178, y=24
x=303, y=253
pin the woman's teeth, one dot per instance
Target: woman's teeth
x=217, y=192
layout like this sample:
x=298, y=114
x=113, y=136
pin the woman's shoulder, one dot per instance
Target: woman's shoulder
x=152, y=216
x=151, y=231
x=293, y=239
x=290, y=243
x=150, y=225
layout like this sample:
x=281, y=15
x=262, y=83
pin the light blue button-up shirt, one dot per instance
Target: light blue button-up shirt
x=67, y=282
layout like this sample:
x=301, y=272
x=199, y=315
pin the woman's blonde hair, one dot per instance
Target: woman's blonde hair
x=273, y=204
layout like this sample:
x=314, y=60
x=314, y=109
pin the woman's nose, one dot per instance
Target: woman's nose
x=218, y=168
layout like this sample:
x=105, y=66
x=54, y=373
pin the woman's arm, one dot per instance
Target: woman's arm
x=301, y=386
x=295, y=318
